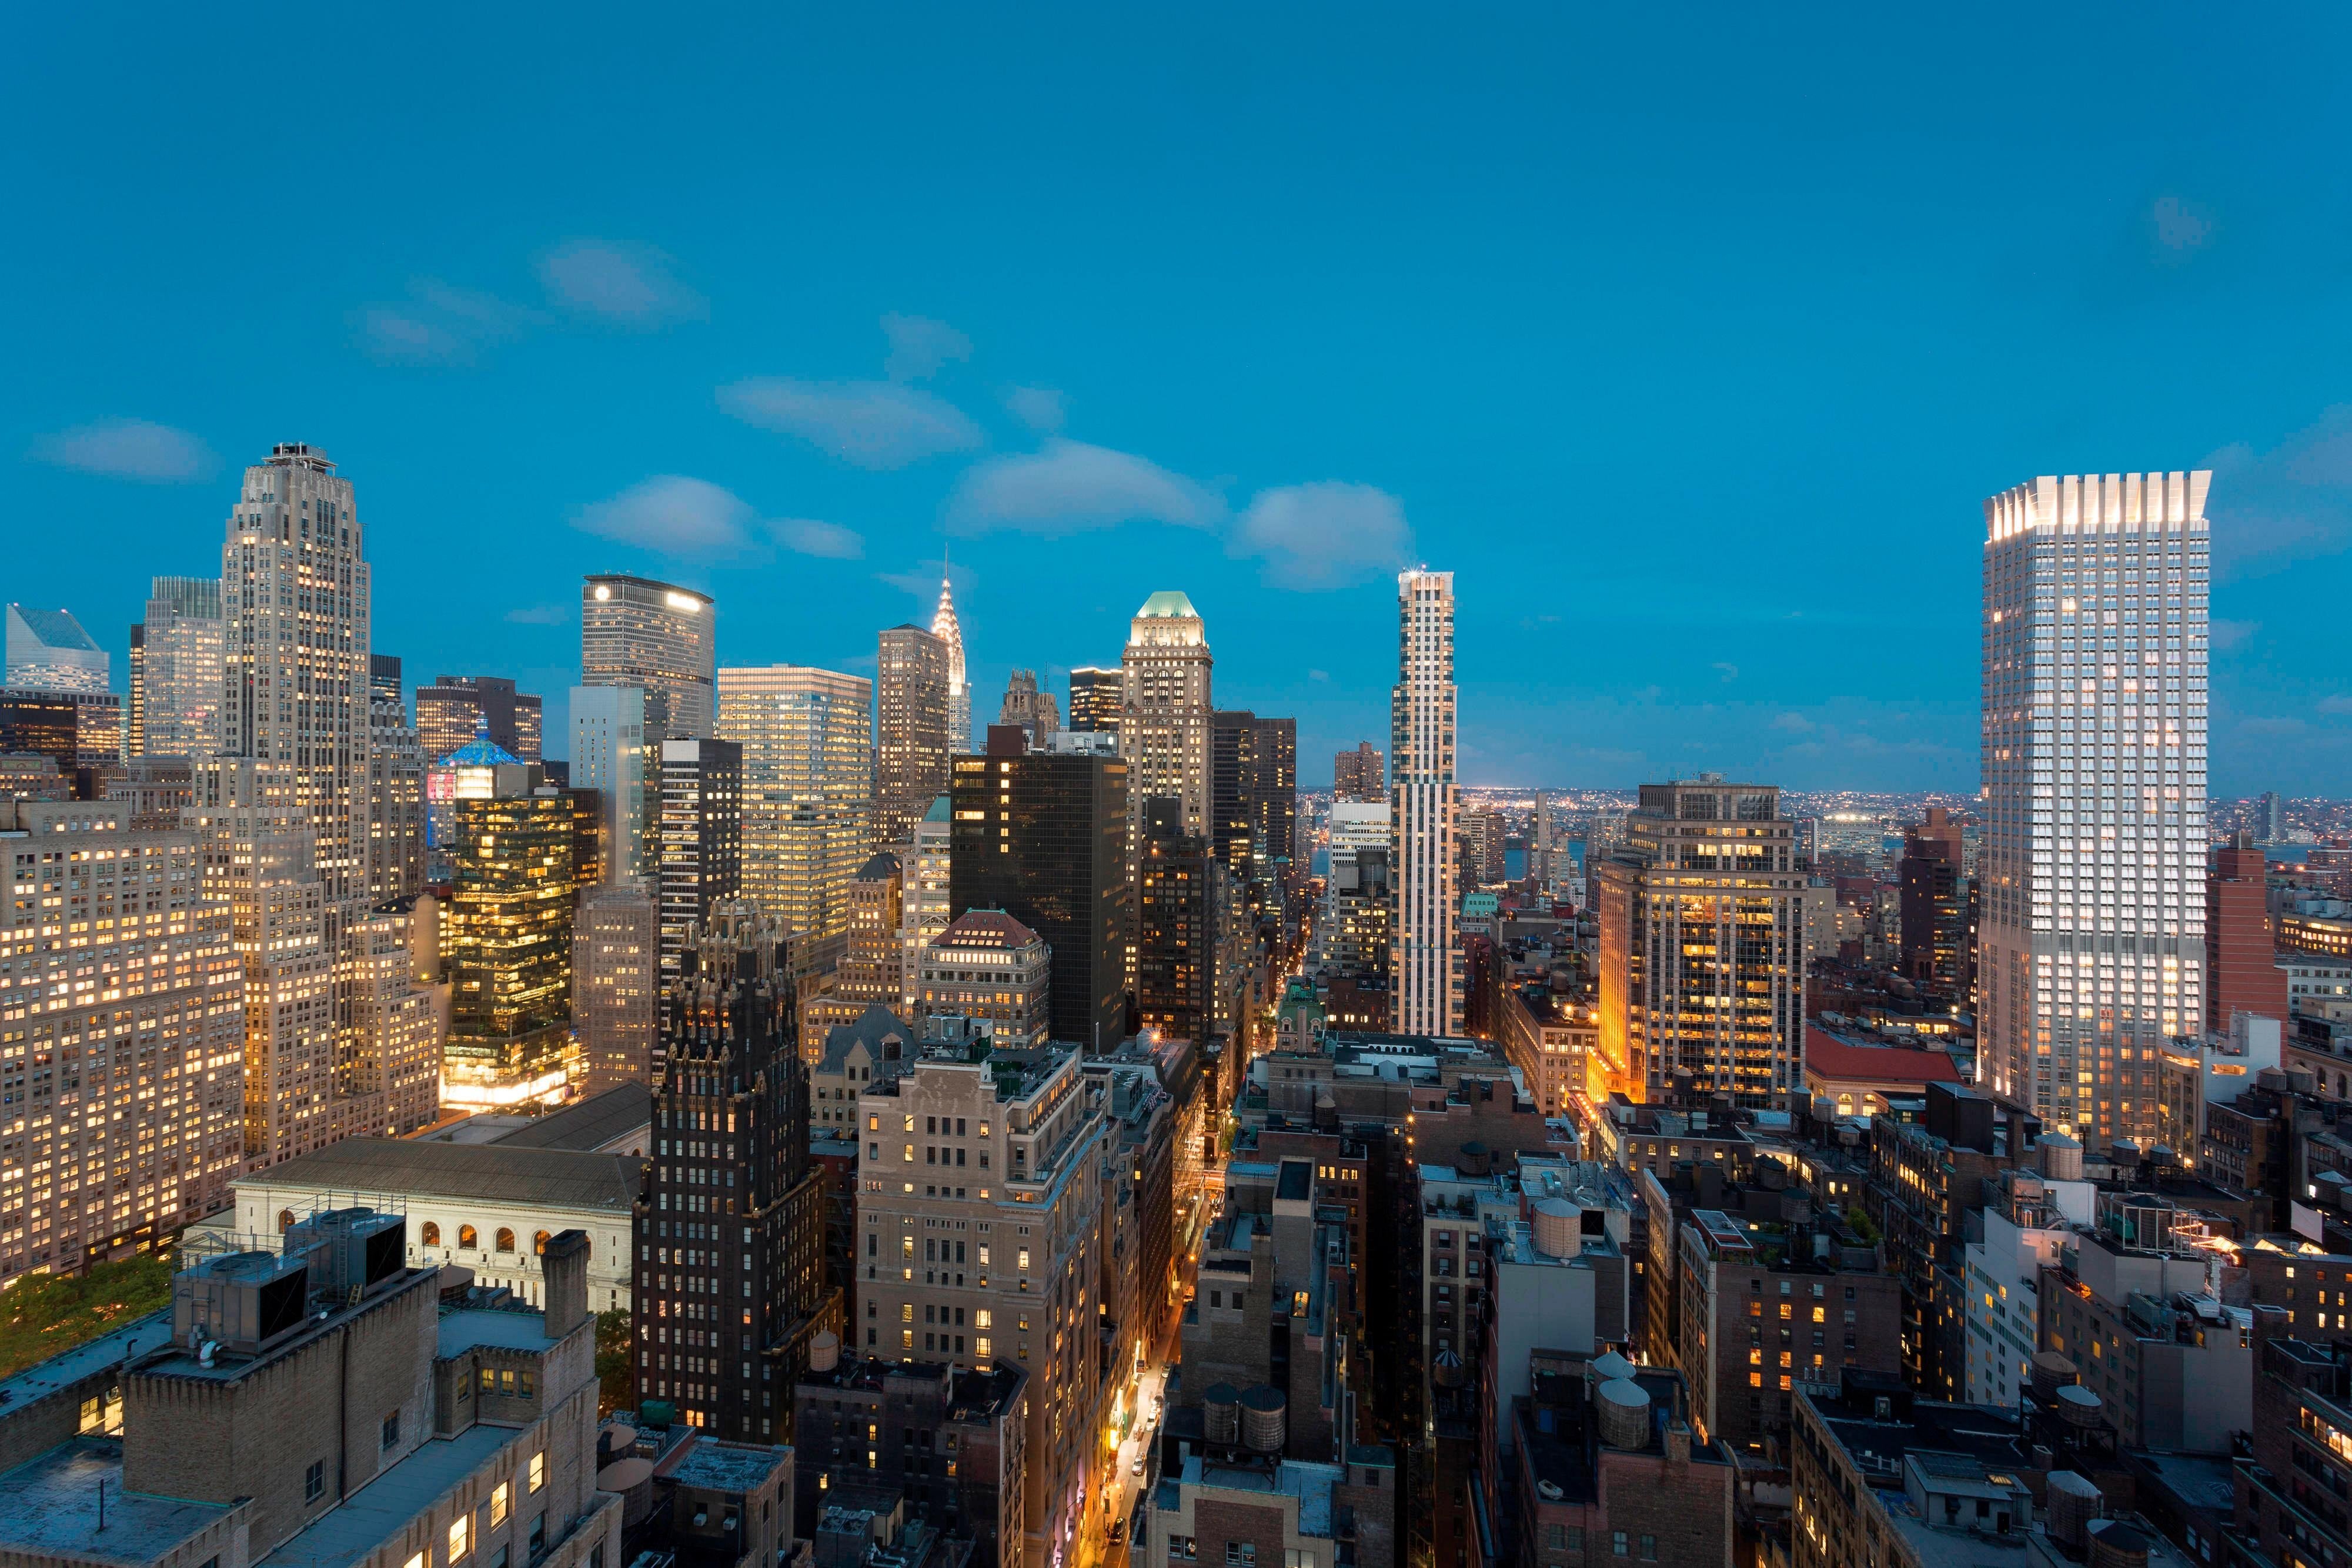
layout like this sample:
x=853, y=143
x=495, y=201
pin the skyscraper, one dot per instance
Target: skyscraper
x=731, y=1286
x=1252, y=791
x=658, y=637
x=396, y=835
x=617, y=982
x=1702, y=946
x=1424, y=805
x=2091, y=942
x=925, y=896
x=286, y=803
x=1935, y=908
x=1096, y=696
x=1176, y=929
x=1042, y=837
x=910, y=731
x=1163, y=727
x=139, y=1128
x=448, y=709
x=49, y=652
x=1357, y=775
x=808, y=789
x=2242, y=971
x=507, y=934
x=615, y=751
x=175, y=670
x=701, y=854
x=1034, y=711
x=950, y=631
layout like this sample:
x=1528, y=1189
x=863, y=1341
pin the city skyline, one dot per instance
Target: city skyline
x=809, y=427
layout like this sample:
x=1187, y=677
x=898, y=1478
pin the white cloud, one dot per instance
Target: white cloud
x=671, y=513
x=439, y=323
x=136, y=449
x=1042, y=409
x=1066, y=486
x=392, y=335
x=539, y=615
x=2230, y=634
x=806, y=536
x=627, y=285
x=919, y=346
x=2336, y=703
x=1729, y=672
x=1795, y=723
x=1324, y=535
x=875, y=424
x=2293, y=500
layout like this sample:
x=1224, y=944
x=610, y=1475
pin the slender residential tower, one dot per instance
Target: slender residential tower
x=948, y=629
x=1423, y=803
x=2092, y=938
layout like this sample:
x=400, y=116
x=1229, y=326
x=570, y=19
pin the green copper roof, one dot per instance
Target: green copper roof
x=939, y=811
x=1168, y=604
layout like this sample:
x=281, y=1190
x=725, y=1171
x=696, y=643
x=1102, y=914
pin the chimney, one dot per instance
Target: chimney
x=565, y=1267
x=1678, y=1442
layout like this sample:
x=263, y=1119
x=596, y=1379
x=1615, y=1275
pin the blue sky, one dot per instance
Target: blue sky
x=1691, y=345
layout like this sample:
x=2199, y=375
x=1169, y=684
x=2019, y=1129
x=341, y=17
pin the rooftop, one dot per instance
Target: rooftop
x=68, y=1367
x=1168, y=603
x=382, y=1508
x=985, y=928
x=1311, y=1484
x=503, y=1172
x=502, y=1328
x=50, y=1509
x=1835, y=1058
x=727, y=1466
x=593, y=1125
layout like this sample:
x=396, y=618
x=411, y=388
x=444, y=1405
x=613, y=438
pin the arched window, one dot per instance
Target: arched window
x=506, y=1239
x=466, y=1237
x=285, y=1220
x=539, y=1243
x=432, y=1234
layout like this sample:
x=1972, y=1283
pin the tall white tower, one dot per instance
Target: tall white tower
x=1163, y=726
x=336, y=1041
x=1425, y=968
x=948, y=629
x=2091, y=947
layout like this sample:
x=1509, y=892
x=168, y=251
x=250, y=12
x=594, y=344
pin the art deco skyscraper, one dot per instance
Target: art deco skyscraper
x=910, y=732
x=1424, y=805
x=1163, y=728
x=284, y=810
x=175, y=670
x=2091, y=940
x=808, y=789
x=731, y=1228
x=634, y=631
x=950, y=630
